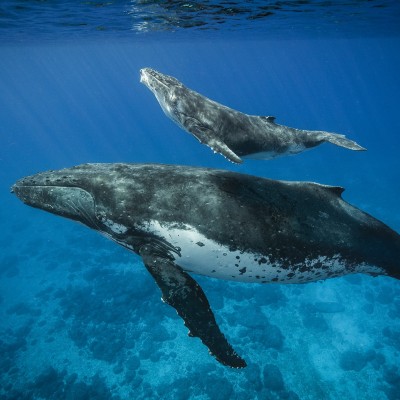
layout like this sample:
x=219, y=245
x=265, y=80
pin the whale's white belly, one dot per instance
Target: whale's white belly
x=204, y=256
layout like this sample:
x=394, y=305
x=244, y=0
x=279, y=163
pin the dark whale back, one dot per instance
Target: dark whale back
x=290, y=222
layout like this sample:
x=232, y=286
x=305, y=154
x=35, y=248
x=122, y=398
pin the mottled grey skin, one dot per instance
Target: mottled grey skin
x=276, y=231
x=230, y=132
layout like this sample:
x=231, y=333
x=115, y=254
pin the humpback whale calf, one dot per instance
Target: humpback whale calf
x=229, y=132
x=222, y=224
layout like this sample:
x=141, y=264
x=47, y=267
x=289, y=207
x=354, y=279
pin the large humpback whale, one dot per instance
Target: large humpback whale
x=229, y=132
x=217, y=223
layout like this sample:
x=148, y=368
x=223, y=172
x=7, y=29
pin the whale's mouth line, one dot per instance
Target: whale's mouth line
x=17, y=186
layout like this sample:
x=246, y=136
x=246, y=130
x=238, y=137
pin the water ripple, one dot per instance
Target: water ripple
x=65, y=19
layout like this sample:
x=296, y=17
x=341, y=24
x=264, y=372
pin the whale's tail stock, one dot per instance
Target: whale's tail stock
x=383, y=250
x=339, y=140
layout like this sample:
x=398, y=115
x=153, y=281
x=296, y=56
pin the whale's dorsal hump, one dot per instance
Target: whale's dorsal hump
x=269, y=119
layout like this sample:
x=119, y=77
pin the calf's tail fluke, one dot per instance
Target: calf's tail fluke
x=339, y=140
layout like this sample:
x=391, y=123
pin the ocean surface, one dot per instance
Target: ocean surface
x=81, y=318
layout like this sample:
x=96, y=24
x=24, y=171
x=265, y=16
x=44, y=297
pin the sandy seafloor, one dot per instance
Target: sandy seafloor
x=82, y=319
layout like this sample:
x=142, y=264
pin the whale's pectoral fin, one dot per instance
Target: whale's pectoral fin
x=223, y=149
x=182, y=292
x=208, y=136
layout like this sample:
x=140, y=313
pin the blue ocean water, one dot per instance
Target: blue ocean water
x=80, y=317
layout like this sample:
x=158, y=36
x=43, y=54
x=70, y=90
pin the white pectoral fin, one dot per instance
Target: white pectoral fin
x=208, y=137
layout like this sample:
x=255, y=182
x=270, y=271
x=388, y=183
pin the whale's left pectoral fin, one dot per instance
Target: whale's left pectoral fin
x=210, y=138
x=223, y=149
x=182, y=292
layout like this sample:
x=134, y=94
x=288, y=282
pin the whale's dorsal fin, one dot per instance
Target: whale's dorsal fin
x=269, y=119
x=336, y=190
x=182, y=292
x=328, y=189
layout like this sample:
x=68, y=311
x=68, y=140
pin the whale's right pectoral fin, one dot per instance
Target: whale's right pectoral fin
x=182, y=292
x=207, y=136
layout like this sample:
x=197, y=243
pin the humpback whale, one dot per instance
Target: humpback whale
x=232, y=133
x=183, y=220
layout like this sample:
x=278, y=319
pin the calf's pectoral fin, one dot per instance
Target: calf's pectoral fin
x=182, y=292
x=207, y=136
x=223, y=149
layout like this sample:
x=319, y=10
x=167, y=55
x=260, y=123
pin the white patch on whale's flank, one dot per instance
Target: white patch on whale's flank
x=365, y=268
x=269, y=155
x=204, y=256
x=264, y=155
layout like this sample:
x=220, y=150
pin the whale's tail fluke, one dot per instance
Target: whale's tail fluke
x=339, y=140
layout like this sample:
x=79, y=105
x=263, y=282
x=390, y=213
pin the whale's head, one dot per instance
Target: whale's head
x=110, y=198
x=93, y=194
x=61, y=192
x=169, y=92
x=160, y=84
